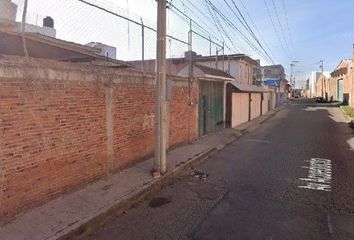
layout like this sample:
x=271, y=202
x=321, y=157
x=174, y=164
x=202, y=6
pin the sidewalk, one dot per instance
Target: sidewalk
x=77, y=212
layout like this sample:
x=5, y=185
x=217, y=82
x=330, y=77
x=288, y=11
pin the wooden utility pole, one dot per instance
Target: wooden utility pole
x=322, y=81
x=160, y=113
x=23, y=28
x=190, y=59
x=291, y=80
x=142, y=46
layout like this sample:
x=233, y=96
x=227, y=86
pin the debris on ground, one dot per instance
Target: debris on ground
x=199, y=174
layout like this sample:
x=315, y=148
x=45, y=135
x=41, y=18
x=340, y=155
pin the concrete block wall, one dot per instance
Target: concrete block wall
x=63, y=125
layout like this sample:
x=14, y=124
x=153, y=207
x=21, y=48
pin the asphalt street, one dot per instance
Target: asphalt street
x=292, y=178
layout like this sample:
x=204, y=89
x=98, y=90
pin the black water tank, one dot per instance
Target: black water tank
x=48, y=22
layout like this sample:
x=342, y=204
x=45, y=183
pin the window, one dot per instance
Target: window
x=267, y=71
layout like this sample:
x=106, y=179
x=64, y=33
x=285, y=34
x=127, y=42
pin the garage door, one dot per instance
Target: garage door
x=265, y=103
x=240, y=108
x=255, y=105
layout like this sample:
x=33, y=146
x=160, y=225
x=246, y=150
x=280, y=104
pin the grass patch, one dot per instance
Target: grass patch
x=348, y=110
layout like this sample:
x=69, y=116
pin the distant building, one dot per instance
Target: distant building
x=312, y=83
x=273, y=72
x=274, y=76
x=322, y=86
x=241, y=67
x=47, y=29
x=8, y=11
x=106, y=50
x=8, y=21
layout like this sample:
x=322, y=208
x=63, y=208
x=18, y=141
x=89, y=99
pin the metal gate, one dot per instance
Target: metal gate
x=211, y=106
x=340, y=90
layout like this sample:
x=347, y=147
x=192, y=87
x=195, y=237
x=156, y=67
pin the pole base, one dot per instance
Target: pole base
x=156, y=174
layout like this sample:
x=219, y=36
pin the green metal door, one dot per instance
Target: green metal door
x=211, y=106
x=340, y=90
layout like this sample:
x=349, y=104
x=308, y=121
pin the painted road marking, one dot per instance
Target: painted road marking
x=319, y=176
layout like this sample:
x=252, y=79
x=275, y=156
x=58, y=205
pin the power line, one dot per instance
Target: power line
x=275, y=29
x=211, y=9
x=197, y=33
x=247, y=27
x=210, y=34
x=170, y=5
x=254, y=24
x=128, y=19
x=219, y=25
x=232, y=25
x=281, y=27
x=206, y=5
x=184, y=10
x=201, y=13
x=115, y=8
x=287, y=24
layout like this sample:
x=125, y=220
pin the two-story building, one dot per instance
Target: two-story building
x=274, y=76
x=241, y=67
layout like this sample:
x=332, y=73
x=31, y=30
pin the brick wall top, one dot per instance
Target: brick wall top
x=21, y=67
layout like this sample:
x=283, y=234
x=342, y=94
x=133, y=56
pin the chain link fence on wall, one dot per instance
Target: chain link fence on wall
x=123, y=35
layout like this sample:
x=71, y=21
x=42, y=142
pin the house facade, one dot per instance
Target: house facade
x=322, y=86
x=340, y=84
x=241, y=67
x=274, y=76
x=273, y=72
x=312, y=83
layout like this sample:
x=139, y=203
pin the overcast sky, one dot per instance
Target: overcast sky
x=309, y=30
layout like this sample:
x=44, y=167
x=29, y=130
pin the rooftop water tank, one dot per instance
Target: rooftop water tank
x=48, y=22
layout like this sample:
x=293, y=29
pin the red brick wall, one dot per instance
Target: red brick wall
x=54, y=127
x=183, y=118
x=133, y=123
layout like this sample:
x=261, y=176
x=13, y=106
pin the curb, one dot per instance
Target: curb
x=270, y=115
x=82, y=229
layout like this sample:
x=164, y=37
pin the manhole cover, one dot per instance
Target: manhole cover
x=159, y=201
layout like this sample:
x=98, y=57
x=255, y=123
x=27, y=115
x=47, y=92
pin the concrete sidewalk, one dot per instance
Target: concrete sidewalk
x=77, y=212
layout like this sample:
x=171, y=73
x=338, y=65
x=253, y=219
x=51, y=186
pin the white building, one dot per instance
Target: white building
x=312, y=82
x=8, y=18
x=43, y=30
x=106, y=50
